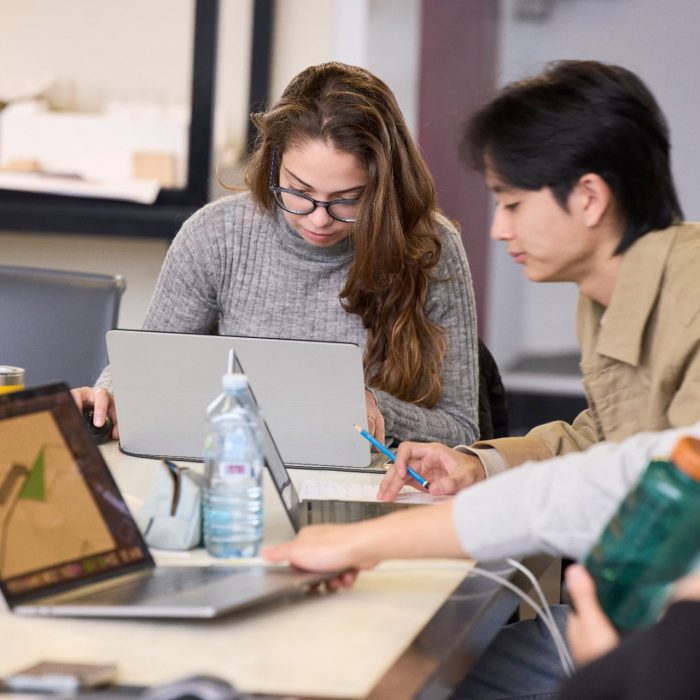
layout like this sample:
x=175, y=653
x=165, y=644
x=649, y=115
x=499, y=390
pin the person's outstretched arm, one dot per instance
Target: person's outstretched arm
x=425, y=531
x=556, y=507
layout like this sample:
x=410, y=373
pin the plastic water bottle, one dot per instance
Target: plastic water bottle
x=233, y=456
x=652, y=540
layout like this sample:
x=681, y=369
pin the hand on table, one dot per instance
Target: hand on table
x=102, y=403
x=447, y=470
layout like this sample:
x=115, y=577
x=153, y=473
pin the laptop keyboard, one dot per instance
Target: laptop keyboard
x=158, y=583
x=346, y=511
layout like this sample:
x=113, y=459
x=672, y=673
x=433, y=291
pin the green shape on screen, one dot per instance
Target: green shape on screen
x=34, y=488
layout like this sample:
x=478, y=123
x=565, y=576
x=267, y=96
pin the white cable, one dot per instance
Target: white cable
x=562, y=651
x=545, y=606
x=536, y=585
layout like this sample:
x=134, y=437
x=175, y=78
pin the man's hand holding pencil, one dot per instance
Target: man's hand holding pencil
x=445, y=470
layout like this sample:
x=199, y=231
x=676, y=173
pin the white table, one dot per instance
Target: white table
x=406, y=629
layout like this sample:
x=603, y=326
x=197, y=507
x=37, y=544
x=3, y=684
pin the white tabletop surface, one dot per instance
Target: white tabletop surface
x=321, y=645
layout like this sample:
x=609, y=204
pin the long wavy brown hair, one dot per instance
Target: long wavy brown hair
x=395, y=238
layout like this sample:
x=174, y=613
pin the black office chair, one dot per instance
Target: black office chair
x=493, y=404
x=53, y=322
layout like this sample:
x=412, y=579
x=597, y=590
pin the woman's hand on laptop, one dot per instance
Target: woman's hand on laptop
x=447, y=470
x=102, y=403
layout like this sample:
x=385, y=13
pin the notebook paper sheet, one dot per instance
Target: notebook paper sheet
x=312, y=490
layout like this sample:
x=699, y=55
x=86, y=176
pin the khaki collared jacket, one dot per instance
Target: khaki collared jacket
x=640, y=357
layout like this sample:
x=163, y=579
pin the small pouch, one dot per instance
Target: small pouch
x=171, y=516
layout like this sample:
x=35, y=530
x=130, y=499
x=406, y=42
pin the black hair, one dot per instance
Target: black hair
x=580, y=117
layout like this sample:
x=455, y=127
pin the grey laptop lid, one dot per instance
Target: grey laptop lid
x=300, y=512
x=315, y=511
x=311, y=393
x=68, y=543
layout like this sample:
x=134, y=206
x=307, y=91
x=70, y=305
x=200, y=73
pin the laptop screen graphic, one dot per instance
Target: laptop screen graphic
x=62, y=519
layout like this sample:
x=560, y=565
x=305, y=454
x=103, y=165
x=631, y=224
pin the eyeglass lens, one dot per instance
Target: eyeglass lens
x=299, y=203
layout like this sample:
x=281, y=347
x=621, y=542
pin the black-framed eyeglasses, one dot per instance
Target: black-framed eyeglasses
x=296, y=202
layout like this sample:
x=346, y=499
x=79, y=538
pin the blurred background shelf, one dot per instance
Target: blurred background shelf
x=542, y=388
x=29, y=211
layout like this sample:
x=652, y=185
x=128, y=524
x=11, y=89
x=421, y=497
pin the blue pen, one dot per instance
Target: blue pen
x=382, y=448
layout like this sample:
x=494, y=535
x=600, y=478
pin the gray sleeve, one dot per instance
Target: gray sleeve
x=454, y=419
x=558, y=506
x=185, y=299
x=186, y=296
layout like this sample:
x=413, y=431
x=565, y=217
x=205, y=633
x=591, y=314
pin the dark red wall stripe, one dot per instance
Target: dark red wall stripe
x=457, y=74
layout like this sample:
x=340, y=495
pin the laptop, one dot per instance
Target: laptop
x=69, y=545
x=330, y=502
x=310, y=392
x=333, y=508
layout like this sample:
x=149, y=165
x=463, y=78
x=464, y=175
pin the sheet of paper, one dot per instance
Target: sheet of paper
x=366, y=493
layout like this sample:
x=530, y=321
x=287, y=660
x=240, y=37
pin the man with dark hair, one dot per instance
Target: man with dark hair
x=580, y=117
x=578, y=161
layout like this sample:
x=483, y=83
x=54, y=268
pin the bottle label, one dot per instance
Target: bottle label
x=234, y=470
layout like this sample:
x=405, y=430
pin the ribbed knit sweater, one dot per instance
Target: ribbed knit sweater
x=235, y=270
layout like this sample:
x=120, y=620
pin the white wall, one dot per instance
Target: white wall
x=232, y=70
x=381, y=35
x=99, y=49
x=394, y=51
x=659, y=42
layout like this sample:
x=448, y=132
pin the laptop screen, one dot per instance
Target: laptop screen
x=63, y=520
x=273, y=459
x=311, y=393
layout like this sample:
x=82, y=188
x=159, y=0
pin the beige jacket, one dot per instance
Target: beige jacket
x=640, y=358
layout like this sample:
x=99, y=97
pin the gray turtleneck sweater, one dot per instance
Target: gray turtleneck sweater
x=235, y=270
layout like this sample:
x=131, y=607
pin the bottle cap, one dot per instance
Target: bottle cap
x=11, y=379
x=686, y=456
x=231, y=380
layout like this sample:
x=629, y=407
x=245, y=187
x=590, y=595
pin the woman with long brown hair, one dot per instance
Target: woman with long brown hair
x=338, y=238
